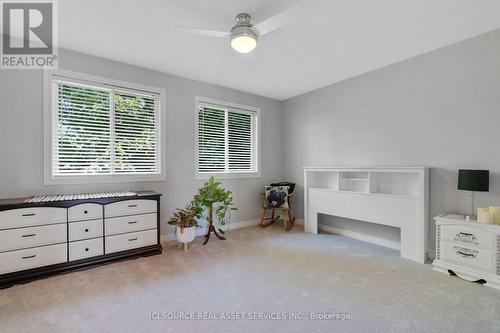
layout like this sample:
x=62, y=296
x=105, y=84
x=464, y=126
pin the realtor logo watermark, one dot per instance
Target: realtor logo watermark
x=29, y=34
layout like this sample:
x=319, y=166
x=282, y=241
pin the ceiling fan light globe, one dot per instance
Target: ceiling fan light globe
x=243, y=43
x=243, y=38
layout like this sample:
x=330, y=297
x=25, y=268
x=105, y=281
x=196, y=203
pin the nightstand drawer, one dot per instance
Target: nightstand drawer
x=130, y=241
x=469, y=236
x=86, y=249
x=120, y=225
x=477, y=258
x=130, y=207
x=87, y=211
x=85, y=230
x=26, y=217
x=16, y=239
x=30, y=258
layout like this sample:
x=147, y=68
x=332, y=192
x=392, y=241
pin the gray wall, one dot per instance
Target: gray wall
x=21, y=135
x=440, y=109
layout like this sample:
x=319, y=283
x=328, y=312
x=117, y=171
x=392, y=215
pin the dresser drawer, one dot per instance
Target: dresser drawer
x=130, y=207
x=130, y=241
x=478, y=258
x=469, y=236
x=87, y=211
x=85, y=230
x=25, y=217
x=120, y=225
x=30, y=258
x=15, y=239
x=86, y=249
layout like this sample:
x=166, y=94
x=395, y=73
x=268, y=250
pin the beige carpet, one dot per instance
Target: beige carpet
x=257, y=272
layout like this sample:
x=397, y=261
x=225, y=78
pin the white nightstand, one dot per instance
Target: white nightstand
x=469, y=249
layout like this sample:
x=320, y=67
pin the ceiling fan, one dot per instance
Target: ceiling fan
x=244, y=35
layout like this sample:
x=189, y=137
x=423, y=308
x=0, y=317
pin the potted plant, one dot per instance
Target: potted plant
x=185, y=221
x=213, y=198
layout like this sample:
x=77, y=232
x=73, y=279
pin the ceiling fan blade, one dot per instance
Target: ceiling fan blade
x=203, y=32
x=278, y=20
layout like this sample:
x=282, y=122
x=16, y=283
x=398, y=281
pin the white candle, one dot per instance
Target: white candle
x=495, y=211
x=484, y=216
x=483, y=209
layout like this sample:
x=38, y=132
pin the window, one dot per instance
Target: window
x=227, y=139
x=98, y=131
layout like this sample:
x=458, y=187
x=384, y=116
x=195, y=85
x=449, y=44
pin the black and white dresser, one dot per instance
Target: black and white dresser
x=45, y=238
x=470, y=250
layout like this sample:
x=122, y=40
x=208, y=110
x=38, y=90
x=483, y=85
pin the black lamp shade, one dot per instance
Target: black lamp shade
x=474, y=180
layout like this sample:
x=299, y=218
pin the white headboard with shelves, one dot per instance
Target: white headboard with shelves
x=394, y=196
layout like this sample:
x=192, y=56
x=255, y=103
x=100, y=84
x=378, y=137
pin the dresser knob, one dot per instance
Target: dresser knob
x=85, y=212
x=86, y=230
x=86, y=249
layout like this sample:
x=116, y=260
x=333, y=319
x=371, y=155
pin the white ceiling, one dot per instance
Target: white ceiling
x=332, y=40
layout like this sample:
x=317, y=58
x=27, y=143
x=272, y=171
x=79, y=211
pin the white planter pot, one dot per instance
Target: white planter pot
x=186, y=236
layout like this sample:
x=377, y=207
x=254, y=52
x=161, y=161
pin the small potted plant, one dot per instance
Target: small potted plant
x=185, y=221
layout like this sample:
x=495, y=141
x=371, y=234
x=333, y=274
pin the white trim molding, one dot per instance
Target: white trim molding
x=168, y=238
x=356, y=235
x=362, y=237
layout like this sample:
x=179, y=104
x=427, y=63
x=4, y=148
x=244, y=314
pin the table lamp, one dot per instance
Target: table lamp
x=474, y=181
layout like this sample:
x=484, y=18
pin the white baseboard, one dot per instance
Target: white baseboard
x=243, y=224
x=356, y=235
x=431, y=253
x=363, y=237
x=202, y=231
x=169, y=238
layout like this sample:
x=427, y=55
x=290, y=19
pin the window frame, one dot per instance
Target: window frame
x=200, y=100
x=98, y=81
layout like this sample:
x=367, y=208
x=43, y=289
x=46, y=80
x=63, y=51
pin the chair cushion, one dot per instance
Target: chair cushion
x=291, y=186
x=276, y=196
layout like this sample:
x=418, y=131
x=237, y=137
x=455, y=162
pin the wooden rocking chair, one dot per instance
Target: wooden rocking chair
x=286, y=212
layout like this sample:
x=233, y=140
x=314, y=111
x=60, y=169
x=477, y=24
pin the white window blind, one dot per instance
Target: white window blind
x=136, y=134
x=81, y=130
x=227, y=140
x=103, y=130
